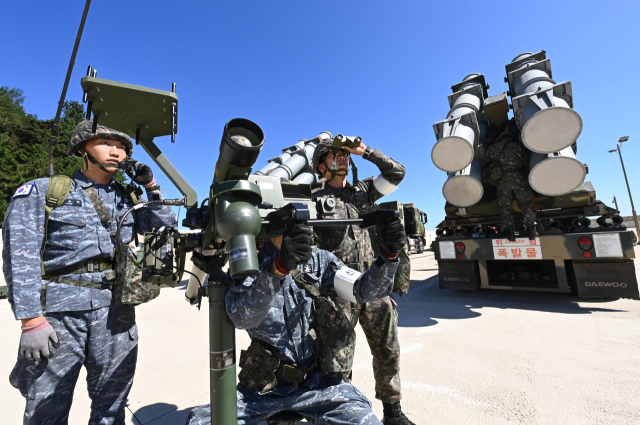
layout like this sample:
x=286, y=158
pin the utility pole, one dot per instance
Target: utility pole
x=633, y=209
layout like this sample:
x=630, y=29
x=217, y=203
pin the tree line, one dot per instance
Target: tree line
x=24, y=144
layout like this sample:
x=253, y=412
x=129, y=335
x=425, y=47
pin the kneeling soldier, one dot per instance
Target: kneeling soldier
x=302, y=342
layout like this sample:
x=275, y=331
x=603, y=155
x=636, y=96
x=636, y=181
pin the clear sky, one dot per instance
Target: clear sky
x=378, y=69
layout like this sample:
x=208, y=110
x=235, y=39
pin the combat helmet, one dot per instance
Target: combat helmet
x=324, y=147
x=84, y=132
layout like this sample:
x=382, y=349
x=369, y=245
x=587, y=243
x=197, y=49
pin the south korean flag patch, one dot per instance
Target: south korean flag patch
x=23, y=190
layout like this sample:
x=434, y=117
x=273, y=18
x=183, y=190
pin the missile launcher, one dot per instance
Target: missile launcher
x=583, y=245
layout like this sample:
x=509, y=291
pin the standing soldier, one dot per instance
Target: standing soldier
x=58, y=255
x=353, y=246
x=507, y=165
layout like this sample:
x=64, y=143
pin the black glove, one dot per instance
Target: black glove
x=391, y=237
x=296, y=246
x=137, y=171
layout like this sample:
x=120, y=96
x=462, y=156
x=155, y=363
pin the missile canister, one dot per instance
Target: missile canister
x=555, y=173
x=460, y=133
x=542, y=108
x=295, y=162
x=464, y=188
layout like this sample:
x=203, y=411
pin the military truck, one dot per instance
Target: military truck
x=414, y=221
x=570, y=255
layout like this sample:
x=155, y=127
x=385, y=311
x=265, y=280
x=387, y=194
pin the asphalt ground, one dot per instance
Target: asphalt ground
x=487, y=357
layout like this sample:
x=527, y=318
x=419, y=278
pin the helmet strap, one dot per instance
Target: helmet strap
x=86, y=157
x=334, y=170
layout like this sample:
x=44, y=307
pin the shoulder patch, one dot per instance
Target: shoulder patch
x=24, y=190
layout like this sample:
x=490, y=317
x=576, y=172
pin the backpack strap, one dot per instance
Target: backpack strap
x=57, y=192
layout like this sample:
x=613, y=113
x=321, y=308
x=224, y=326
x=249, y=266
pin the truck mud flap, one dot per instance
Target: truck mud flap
x=461, y=275
x=606, y=280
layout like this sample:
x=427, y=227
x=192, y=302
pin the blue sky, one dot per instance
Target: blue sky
x=380, y=70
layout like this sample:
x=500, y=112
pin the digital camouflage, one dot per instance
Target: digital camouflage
x=350, y=243
x=358, y=248
x=511, y=156
x=105, y=341
x=76, y=235
x=323, y=399
x=258, y=364
x=279, y=312
x=84, y=132
x=128, y=288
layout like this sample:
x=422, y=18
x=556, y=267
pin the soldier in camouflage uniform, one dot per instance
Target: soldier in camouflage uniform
x=354, y=247
x=508, y=159
x=280, y=369
x=68, y=303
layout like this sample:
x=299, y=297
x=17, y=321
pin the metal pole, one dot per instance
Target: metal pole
x=222, y=350
x=56, y=121
x=633, y=208
x=615, y=201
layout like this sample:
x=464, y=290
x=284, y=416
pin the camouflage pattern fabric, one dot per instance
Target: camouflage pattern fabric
x=84, y=132
x=105, y=341
x=512, y=157
x=76, y=234
x=128, y=288
x=515, y=186
x=357, y=247
x=258, y=364
x=402, y=280
x=92, y=330
x=350, y=243
x=278, y=311
x=379, y=321
x=321, y=400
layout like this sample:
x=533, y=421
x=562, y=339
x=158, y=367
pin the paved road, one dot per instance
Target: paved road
x=489, y=357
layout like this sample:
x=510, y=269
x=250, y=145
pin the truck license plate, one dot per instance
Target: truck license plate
x=520, y=249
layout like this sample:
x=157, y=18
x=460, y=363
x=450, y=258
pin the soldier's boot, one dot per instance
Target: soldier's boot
x=510, y=233
x=533, y=232
x=393, y=415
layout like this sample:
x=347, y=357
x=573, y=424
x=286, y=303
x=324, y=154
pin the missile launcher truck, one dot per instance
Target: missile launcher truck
x=583, y=246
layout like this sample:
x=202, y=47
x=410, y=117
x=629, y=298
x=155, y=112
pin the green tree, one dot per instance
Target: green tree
x=24, y=144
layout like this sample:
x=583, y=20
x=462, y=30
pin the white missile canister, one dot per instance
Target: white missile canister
x=464, y=188
x=555, y=173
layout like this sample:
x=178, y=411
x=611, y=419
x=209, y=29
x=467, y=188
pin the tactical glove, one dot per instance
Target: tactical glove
x=34, y=342
x=296, y=246
x=137, y=171
x=391, y=237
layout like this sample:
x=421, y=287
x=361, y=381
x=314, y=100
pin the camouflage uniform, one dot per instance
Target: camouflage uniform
x=513, y=159
x=92, y=330
x=354, y=247
x=278, y=312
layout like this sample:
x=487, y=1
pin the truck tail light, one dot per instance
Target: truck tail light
x=585, y=243
x=459, y=247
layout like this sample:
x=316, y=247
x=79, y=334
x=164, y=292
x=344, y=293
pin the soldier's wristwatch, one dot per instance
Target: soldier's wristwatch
x=367, y=152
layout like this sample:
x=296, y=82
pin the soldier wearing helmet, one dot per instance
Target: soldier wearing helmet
x=354, y=247
x=507, y=164
x=58, y=264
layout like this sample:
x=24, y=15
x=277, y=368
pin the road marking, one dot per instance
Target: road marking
x=450, y=393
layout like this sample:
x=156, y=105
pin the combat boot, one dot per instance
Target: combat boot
x=393, y=415
x=533, y=232
x=510, y=233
